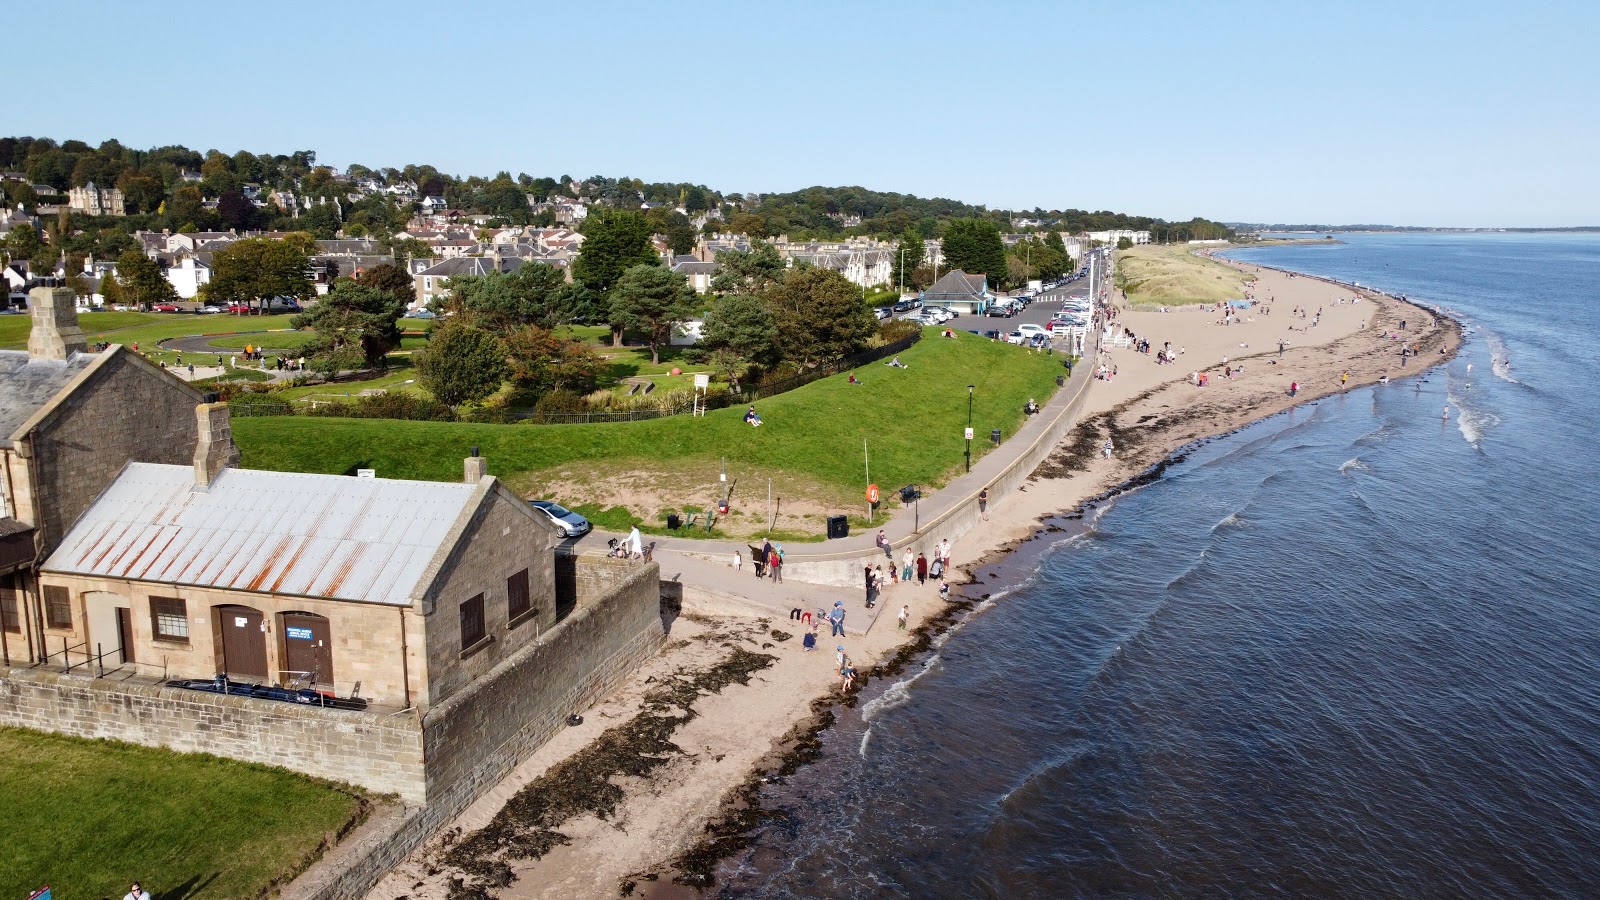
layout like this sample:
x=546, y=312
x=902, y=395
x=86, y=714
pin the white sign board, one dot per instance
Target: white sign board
x=366, y=473
x=702, y=381
x=241, y=622
x=969, y=434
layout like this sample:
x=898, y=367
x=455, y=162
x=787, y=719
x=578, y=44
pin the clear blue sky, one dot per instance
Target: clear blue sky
x=1436, y=114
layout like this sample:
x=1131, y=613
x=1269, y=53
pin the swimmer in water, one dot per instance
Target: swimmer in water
x=1446, y=416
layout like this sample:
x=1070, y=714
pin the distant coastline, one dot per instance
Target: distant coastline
x=1268, y=230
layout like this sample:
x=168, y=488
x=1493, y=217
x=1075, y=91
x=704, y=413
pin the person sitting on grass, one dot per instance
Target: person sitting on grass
x=751, y=418
x=896, y=364
x=854, y=379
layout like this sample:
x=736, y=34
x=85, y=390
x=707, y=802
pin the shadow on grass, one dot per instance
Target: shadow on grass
x=188, y=889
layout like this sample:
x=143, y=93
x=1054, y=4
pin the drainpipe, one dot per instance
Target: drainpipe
x=405, y=664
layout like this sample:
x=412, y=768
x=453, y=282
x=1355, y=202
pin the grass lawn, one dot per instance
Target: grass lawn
x=1171, y=275
x=277, y=340
x=400, y=376
x=911, y=418
x=14, y=329
x=87, y=817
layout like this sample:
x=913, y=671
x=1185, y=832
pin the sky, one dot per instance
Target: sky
x=1463, y=114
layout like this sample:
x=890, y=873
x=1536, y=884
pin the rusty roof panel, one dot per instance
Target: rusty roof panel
x=367, y=539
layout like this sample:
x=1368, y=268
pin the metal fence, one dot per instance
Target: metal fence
x=747, y=394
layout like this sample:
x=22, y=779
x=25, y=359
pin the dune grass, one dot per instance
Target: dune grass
x=1172, y=275
x=912, y=420
x=87, y=817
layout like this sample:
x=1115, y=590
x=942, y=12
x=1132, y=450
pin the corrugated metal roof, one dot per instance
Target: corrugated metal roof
x=367, y=539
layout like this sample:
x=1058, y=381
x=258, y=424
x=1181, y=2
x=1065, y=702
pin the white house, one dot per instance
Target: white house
x=187, y=275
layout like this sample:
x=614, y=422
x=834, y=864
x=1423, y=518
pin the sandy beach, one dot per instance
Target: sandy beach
x=661, y=781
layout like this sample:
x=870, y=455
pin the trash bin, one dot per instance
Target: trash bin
x=995, y=437
x=838, y=527
x=909, y=493
x=674, y=521
x=1061, y=381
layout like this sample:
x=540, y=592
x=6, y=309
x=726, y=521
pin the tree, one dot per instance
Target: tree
x=908, y=255
x=695, y=200
x=739, y=333
x=1124, y=243
x=1060, y=263
x=974, y=246
x=681, y=237
x=505, y=301
x=653, y=300
x=237, y=212
x=142, y=282
x=747, y=271
x=819, y=315
x=544, y=361
x=391, y=278
x=254, y=270
x=614, y=241
x=23, y=242
x=462, y=364
x=748, y=224
x=111, y=290
x=355, y=315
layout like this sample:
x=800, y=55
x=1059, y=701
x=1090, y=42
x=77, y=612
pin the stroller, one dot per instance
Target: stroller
x=759, y=559
x=618, y=548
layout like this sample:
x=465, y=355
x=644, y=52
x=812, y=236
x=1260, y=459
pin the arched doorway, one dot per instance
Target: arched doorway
x=242, y=641
x=307, y=649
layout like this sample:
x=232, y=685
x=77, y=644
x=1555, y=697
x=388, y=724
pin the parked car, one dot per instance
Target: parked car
x=165, y=307
x=993, y=335
x=1031, y=330
x=566, y=521
x=883, y=312
x=904, y=305
x=206, y=310
x=243, y=309
x=424, y=314
x=1000, y=312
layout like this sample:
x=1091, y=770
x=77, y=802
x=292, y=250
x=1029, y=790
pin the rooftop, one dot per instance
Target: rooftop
x=28, y=383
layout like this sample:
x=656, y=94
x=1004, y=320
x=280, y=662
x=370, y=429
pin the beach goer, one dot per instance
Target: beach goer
x=1446, y=416
x=944, y=552
x=883, y=544
x=905, y=614
x=922, y=569
x=836, y=620
x=983, y=504
x=635, y=542
x=944, y=589
x=1107, y=448
x=738, y=561
x=809, y=642
x=870, y=584
x=775, y=565
x=1294, y=388
x=907, y=568
x=1344, y=379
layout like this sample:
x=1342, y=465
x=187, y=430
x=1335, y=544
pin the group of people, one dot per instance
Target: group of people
x=912, y=565
x=751, y=419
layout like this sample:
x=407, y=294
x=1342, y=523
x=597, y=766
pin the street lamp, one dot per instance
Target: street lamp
x=969, y=427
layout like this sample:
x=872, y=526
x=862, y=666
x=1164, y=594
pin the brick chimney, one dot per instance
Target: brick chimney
x=55, y=333
x=475, y=469
x=214, y=450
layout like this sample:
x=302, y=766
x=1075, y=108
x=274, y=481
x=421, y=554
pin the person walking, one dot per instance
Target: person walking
x=922, y=569
x=944, y=553
x=905, y=614
x=983, y=504
x=836, y=620
x=635, y=543
x=870, y=585
x=1344, y=379
x=908, y=570
x=775, y=564
x=1294, y=388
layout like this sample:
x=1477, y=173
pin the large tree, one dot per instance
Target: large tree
x=544, y=361
x=652, y=299
x=974, y=246
x=143, y=283
x=355, y=315
x=535, y=294
x=254, y=270
x=614, y=241
x=820, y=315
x=739, y=333
x=462, y=364
x=23, y=242
x=747, y=271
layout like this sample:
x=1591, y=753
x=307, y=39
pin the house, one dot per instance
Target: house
x=960, y=292
x=69, y=421
x=190, y=273
x=94, y=201
x=699, y=273
x=431, y=277
x=1111, y=237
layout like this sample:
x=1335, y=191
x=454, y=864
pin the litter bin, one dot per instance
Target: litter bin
x=838, y=527
x=995, y=437
x=674, y=521
x=1061, y=381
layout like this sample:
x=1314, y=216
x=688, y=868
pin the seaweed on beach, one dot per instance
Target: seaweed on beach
x=526, y=827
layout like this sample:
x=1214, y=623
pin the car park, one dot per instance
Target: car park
x=566, y=521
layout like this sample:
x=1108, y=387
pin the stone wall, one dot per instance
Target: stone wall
x=382, y=753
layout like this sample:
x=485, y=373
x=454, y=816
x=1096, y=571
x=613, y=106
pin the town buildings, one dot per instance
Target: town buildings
x=95, y=201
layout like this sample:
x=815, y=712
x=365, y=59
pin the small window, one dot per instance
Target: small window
x=57, y=606
x=517, y=600
x=169, y=619
x=472, y=622
x=9, y=619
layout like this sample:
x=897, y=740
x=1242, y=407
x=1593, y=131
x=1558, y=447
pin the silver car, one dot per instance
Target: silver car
x=566, y=521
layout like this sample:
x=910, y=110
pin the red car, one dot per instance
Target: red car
x=165, y=307
x=243, y=309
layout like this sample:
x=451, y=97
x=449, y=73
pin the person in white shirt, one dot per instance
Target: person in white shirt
x=135, y=892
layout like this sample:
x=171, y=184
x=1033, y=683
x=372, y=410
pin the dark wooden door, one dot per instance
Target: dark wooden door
x=244, y=644
x=307, y=649
x=124, y=634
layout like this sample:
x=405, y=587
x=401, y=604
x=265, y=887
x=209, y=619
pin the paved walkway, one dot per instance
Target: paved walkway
x=721, y=579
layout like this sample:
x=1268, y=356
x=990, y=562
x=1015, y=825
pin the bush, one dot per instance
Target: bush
x=408, y=407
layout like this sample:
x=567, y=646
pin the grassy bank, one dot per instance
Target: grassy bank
x=911, y=418
x=1172, y=275
x=88, y=817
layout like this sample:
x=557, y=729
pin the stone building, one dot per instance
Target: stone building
x=69, y=421
x=95, y=201
x=401, y=591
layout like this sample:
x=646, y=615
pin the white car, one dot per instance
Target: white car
x=1031, y=330
x=1016, y=337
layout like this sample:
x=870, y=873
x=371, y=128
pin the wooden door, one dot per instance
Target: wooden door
x=307, y=649
x=244, y=644
x=124, y=634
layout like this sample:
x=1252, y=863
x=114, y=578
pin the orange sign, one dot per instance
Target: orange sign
x=872, y=493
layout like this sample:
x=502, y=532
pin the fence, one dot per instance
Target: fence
x=747, y=394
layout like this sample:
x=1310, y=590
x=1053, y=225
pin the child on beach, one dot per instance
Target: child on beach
x=944, y=589
x=905, y=613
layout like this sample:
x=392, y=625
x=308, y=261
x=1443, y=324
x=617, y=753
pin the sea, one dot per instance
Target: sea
x=1352, y=650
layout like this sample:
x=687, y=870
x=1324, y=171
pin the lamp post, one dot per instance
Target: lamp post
x=969, y=427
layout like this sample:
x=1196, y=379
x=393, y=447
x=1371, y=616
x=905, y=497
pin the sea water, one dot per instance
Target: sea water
x=1351, y=651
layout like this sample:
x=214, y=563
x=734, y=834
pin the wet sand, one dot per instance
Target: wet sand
x=710, y=741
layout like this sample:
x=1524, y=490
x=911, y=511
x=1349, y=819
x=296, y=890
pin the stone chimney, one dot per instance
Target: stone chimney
x=214, y=449
x=475, y=469
x=55, y=333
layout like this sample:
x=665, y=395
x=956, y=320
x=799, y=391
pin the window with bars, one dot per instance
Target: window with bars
x=517, y=600
x=57, y=606
x=472, y=631
x=169, y=619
